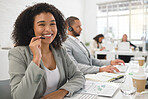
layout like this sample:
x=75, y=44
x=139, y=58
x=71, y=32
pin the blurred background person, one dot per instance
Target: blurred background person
x=96, y=44
x=124, y=39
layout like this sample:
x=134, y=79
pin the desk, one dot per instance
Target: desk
x=111, y=55
x=118, y=94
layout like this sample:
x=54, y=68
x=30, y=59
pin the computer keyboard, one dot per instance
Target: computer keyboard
x=122, y=68
x=82, y=96
x=87, y=96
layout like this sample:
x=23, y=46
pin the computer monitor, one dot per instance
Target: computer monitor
x=126, y=58
x=123, y=46
x=146, y=65
x=146, y=45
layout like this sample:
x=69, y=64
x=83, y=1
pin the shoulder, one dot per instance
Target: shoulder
x=20, y=49
x=67, y=40
x=61, y=50
x=93, y=41
x=68, y=43
x=19, y=53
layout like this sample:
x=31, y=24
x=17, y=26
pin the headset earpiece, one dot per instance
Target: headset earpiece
x=70, y=29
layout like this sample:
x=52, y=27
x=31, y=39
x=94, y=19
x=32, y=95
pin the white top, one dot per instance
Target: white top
x=80, y=43
x=93, y=47
x=53, y=77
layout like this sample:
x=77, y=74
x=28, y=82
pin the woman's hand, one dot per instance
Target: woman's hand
x=59, y=94
x=102, y=48
x=35, y=46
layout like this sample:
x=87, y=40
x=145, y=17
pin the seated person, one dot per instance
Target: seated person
x=96, y=43
x=124, y=39
x=80, y=54
x=39, y=67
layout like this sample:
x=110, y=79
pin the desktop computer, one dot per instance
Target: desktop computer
x=126, y=58
x=146, y=45
x=123, y=46
x=146, y=70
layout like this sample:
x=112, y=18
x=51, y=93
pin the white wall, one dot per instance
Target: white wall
x=85, y=10
x=4, y=65
x=10, y=9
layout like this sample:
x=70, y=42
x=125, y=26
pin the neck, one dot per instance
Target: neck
x=45, y=49
x=70, y=33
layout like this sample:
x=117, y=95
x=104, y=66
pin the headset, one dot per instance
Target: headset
x=70, y=28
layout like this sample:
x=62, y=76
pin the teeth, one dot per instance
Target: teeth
x=48, y=35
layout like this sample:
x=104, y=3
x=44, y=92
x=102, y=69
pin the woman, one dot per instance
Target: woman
x=39, y=66
x=96, y=44
x=124, y=39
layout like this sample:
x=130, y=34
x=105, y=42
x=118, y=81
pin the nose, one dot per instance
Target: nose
x=80, y=28
x=48, y=29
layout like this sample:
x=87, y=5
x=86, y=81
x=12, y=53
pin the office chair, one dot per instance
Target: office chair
x=5, y=92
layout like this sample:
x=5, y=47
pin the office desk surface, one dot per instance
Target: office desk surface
x=123, y=52
x=118, y=94
x=111, y=55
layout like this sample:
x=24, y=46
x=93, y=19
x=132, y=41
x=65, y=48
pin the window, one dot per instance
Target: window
x=102, y=25
x=136, y=26
x=123, y=26
x=124, y=17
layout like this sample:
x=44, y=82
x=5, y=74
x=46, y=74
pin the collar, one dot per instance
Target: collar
x=74, y=38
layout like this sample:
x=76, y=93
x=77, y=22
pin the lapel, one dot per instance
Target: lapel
x=58, y=60
x=59, y=64
x=41, y=63
x=78, y=46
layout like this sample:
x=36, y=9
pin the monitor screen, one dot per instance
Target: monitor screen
x=146, y=46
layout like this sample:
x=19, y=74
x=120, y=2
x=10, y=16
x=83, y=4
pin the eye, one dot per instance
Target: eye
x=53, y=24
x=41, y=24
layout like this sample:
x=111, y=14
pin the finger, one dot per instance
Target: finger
x=109, y=66
x=116, y=70
x=36, y=43
x=35, y=38
x=119, y=61
x=111, y=71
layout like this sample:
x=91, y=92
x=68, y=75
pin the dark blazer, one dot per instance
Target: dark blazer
x=132, y=44
x=28, y=81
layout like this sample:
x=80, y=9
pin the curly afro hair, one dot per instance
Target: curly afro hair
x=23, y=27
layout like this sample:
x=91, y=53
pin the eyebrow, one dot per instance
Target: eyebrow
x=52, y=21
x=44, y=21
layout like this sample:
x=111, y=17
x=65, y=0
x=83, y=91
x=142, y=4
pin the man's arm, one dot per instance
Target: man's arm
x=100, y=63
x=86, y=69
